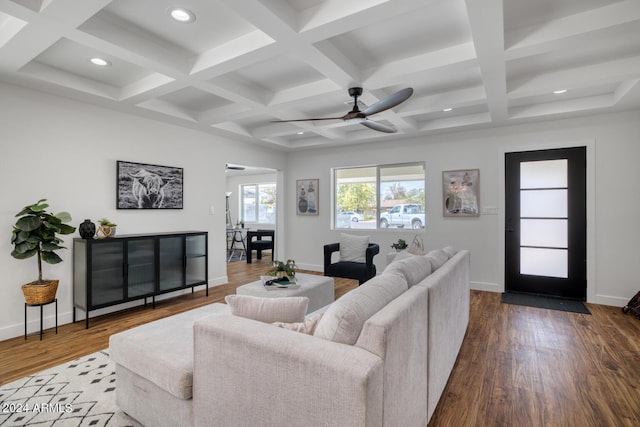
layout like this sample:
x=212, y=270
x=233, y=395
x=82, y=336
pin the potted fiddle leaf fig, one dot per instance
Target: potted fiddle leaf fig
x=36, y=234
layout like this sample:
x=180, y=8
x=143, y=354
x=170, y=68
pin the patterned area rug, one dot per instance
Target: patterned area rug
x=79, y=393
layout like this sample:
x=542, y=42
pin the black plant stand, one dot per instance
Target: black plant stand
x=39, y=305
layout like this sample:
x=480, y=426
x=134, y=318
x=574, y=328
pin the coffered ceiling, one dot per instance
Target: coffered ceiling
x=244, y=63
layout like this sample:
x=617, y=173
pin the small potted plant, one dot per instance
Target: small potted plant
x=106, y=228
x=283, y=269
x=400, y=245
x=36, y=234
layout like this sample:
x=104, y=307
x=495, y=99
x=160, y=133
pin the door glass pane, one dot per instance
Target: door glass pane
x=544, y=262
x=141, y=267
x=107, y=275
x=543, y=203
x=543, y=232
x=171, y=263
x=543, y=174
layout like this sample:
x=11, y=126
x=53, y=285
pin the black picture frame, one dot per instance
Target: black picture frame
x=147, y=186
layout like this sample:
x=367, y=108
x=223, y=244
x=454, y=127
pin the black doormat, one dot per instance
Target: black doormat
x=545, y=302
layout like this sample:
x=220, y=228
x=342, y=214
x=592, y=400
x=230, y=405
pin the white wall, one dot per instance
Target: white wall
x=613, y=149
x=66, y=152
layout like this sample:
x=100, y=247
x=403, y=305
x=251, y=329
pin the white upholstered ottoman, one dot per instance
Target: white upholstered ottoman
x=319, y=290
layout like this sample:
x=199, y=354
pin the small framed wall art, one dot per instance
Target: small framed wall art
x=461, y=192
x=145, y=186
x=307, y=196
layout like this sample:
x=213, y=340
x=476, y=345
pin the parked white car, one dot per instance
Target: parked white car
x=353, y=216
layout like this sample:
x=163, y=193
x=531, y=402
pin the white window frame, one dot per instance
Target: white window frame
x=334, y=217
x=241, y=202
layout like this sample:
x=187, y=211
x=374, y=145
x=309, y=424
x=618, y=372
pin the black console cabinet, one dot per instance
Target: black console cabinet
x=119, y=269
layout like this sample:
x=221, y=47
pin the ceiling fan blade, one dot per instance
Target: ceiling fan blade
x=307, y=120
x=390, y=102
x=379, y=126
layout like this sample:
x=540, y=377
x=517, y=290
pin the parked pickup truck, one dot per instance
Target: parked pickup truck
x=403, y=216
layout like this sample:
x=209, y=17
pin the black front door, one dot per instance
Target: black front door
x=545, y=222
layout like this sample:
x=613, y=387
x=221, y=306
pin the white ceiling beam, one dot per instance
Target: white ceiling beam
x=41, y=30
x=487, y=26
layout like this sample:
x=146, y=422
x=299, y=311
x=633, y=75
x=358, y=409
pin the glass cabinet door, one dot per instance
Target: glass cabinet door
x=171, y=263
x=107, y=274
x=196, y=268
x=140, y=267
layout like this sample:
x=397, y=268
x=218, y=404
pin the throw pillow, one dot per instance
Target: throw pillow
x=414, y=268
x=437, y=258
x=344, y=319
x=353, y=248
x=307, y=327
x=268, y=310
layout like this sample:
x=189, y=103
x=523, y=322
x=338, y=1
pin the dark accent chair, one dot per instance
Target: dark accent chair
x=259, y=244
x=361, y=271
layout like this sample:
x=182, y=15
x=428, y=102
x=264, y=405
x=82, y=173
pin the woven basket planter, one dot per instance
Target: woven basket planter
x=40, y=293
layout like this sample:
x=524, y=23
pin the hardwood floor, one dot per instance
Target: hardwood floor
x=523, y=366
x=518, y=366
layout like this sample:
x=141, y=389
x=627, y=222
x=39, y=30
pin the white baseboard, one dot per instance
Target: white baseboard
x=486, y=286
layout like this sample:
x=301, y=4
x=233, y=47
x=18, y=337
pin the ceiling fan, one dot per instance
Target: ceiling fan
x=362, y=117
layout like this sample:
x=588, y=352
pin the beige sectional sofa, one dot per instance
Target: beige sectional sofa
x=380, y=355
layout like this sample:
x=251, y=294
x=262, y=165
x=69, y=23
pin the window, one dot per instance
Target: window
x=382, y=196
x=258, y=203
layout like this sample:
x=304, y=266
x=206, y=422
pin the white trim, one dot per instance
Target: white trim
x=592, y=288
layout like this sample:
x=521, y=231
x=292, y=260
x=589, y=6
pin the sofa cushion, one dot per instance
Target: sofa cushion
x=353, y=248
x=343, y=320
x=162, y=351
x=437, y=258
x=414, y=268
x=268, y=310
x=450, y=251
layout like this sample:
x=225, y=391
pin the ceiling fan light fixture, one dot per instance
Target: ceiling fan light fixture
x=355, y=120
x=100, y=62
x=181, y=14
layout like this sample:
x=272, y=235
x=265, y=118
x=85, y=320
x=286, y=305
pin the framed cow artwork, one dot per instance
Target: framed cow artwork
x=144, y=186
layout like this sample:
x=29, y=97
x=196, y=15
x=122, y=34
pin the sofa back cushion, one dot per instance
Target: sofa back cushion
x=437, y=258
x=343, y=320
x=414, y=268
x=268, y=310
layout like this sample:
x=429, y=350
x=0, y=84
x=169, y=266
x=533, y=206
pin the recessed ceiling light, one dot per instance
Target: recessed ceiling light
x=446, y=110
x=559, y=91
x=100, y=62
x=181, y=14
